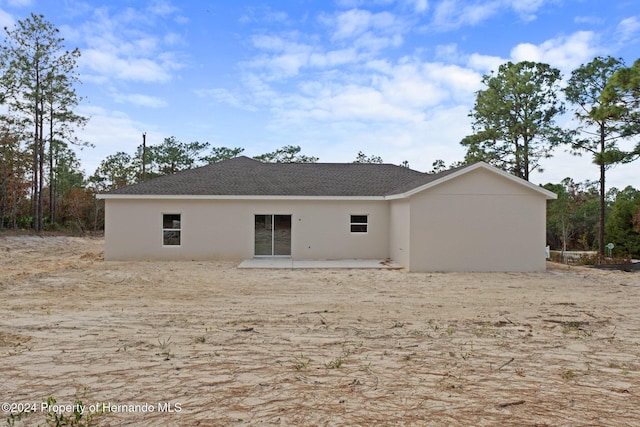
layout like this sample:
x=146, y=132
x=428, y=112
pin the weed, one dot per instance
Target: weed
x=570, y=327
x=80, y=417
x=568, y=374
x=335, y=363
x=164, y=344
x=585, y=333
x=466, y=354
x=349, y=350
x=623, y=368
x=302, y=363
x=202, y=339
x=398, y=325
x=12, y=418
x=577, y=327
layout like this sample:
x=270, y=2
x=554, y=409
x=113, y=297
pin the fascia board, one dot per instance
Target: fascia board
x=230, y=197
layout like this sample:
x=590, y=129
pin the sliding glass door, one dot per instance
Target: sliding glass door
x=272, y=235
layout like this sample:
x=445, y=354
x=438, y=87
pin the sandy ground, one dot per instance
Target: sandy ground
x=205, y=343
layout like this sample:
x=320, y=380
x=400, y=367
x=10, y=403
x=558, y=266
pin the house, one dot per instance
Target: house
x=472, y=218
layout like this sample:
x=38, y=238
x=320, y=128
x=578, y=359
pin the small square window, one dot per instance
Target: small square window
x=171, y=229
x=359, y=223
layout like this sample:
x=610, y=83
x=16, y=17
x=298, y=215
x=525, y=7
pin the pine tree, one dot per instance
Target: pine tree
x=38, y=75
x=514, y=118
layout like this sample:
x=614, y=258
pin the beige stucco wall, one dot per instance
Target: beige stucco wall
x=224, y=229
x=400, y=231
x=478, y=222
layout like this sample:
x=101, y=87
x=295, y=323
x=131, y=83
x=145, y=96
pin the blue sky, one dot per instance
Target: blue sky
x=395, y=79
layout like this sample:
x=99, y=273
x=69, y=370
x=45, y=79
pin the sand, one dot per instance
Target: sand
x=205, y=343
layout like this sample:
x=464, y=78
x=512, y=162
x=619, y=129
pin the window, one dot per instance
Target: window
x=170, y=229
x=359, y=223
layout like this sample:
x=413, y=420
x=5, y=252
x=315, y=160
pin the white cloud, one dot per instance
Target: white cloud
x=393, y=96
x=333, y=58
x=362, y=103
x=420, y=142
x=19, y=3
x=108, y=65
x=628, y=29
x=356, y=36
x=263, y=14
x=110, y=132
x=174, y=39
x=566, y=52
x=350, y=4
x=460, y=82
x=141, y=100
x=485, y=63
x=6, y=20
x=592, y=20
x=448, y=53
x=119, y=48
x=161, y=8
x=347, y=89
x=366, y=30
x=281, y=57
x=369, y=42
x=527, y=52
x=352, y=23
x=226, y=97
x=526, y=9
x=271, y=43
x=452, y=14
x=421, y=6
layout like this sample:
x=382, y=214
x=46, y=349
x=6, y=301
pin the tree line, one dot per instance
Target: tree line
x=37, y=88
x=573, y=218
x=514, y=127
x=171, y=156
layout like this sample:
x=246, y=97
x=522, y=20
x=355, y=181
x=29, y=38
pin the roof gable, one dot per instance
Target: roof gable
x=455, y=173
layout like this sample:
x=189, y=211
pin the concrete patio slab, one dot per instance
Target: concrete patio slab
x=296, y=264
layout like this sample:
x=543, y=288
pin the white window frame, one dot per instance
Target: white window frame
x=352, y=223
x=179, y=230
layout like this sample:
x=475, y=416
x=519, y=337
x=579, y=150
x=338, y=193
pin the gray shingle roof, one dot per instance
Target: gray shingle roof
x=242, y=176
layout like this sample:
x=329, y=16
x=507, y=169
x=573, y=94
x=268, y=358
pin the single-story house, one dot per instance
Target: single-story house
x=472, y=218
